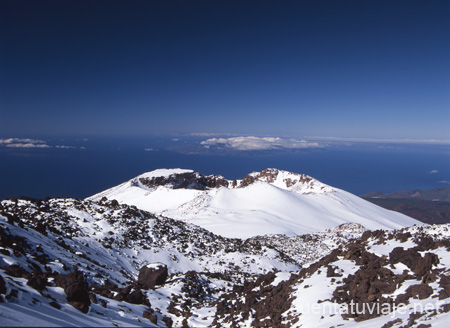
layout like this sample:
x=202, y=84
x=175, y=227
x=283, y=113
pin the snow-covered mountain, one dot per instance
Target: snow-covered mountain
x=106, y=262
x=267, y=202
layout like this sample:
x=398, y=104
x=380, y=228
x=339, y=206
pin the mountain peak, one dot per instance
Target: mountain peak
x=286, y=180
x=189, y=179
x=268, y=202
x=179, y=179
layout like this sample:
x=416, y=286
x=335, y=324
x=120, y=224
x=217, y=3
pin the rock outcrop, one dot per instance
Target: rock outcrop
x=152, y=275
x=76, y=289
x=188, y=180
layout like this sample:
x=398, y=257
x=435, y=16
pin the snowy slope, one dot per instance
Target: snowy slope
x=267, y=202
x=397, y=278
x=109, y=243
x=272, y=280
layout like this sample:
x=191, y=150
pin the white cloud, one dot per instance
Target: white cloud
x=444, y=181
x=208, y=134
x=433, y=172
x=256, y=143
x=27, y=145
x=23, y=143
x=64, y=147
x=10, y=141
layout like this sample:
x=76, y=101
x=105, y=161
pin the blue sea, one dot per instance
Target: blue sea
x=95, y=164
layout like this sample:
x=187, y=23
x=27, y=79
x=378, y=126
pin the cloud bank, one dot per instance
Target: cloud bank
x=29, y=143
x=256, y=143
x=208, y=134
x=23, y=143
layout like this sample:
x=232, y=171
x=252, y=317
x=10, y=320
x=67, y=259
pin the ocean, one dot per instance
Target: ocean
x=95, y=164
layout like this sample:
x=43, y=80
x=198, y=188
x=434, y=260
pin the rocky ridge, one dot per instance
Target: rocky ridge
x=383, y=279
x=188, y=179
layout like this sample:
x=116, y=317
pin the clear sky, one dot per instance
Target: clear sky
x=347, y=68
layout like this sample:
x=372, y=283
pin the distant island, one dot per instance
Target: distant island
x=427, y=205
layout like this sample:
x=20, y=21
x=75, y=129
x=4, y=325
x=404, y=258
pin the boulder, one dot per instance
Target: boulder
x=38, y=281
x=444, y=283
x=421, y=291
x=153, y=274
x=16, y=270
x=136, y=297
x=76, y=290
x=421, y=266
x=426, y=264
x=150, y=315
x=168, y=321
x=409, y=257
x=2, y=285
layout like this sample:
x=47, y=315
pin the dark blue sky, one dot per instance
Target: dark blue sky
x=378, y=69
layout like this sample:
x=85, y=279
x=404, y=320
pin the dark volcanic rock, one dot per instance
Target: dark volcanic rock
x=106, y=290
x=409, y=257
x=150, y=315
x=188, y=180
x=38, y=281
x=270, y=175
x=168, y=321
x=2, y=285
x=16, y=270
x=80, y=306
x=421, y=291
x=259, y=300
x=368, y=284
x=413, y=260
x=136, y=297
x=444, y=283
x=76, y=290
x=331, y=271
x=152, y=275
x=426, y=263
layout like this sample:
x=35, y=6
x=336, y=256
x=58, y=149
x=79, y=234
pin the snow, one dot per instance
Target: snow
x=281, y=276
x=109, y=242
x=311, y=294
x=155, y=265
x=164, y=173
x=85, y=249
x=31, y=309
x=258, y=143
x=261, y=208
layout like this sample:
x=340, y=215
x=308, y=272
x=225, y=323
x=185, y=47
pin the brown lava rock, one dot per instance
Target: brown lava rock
x=413, y=260
x=152, y=275
x=2, y=285
x=444, y=283
x=150, y=315
x=38, y=281
x=76, y=290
